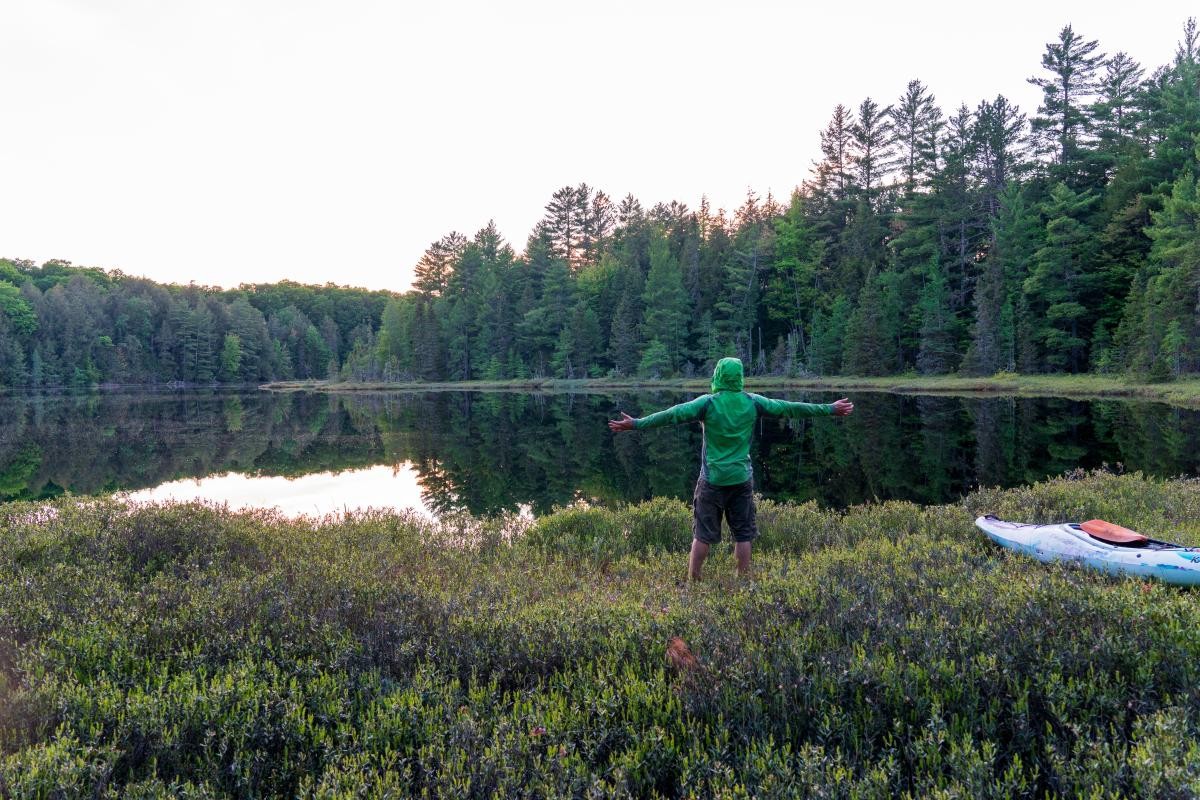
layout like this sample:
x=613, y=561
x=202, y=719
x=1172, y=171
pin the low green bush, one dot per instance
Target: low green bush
x=887, y=650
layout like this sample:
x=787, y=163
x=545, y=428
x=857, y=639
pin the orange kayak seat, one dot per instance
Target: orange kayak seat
x=1113, y=534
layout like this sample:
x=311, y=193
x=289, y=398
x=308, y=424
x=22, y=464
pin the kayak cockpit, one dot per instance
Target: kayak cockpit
x=1110, y=533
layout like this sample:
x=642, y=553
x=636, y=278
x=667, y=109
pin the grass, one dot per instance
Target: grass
x=1182, y=392
x=886, y=651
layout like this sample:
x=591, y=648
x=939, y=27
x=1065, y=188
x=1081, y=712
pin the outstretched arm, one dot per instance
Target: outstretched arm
x=684, y=412
x=786, y=408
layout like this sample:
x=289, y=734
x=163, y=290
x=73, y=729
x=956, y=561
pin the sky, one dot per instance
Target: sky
x=239, y=141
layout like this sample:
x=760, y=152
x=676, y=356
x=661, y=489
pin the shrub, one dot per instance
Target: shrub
x=887, y=650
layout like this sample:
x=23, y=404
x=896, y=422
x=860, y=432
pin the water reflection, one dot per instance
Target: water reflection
x=395, y=488
x=505, y=452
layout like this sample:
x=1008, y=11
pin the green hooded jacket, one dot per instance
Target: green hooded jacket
x=728, y=416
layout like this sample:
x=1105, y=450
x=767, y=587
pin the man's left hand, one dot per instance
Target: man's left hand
x=842, y=408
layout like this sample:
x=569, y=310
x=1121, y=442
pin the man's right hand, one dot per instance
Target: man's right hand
x=625, y=423
x=843, y=408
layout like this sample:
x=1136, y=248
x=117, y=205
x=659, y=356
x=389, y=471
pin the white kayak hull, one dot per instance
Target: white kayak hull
x=1164, y=561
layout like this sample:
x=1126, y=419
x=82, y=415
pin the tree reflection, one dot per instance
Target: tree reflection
x=496, y=452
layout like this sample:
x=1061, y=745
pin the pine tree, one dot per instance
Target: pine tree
x=1101, y=359
x=566, y=221
x=1173, y=285
x=938, y=350
x=715, y=249
x=623, y=338
x=736, y=307
x=1173, y=111
x=562, y=364
x=12, y=357
x=1016, y=235
x=331, y=336
x=1010, y=336
x=432, y=273
x=596, y=227
x=361, y=363
x=665, y=302
x=1059, y=284
x=962, y=223
x=1063, y=122
x=629, y=212
x=836, y=145
x=1173, y=349
x=1027, y=356
x=497, y=288
x=587, y=339
x=316, y=357
x=1115, y=113
x=825, y=352
x=231, y=359
x=985, y=354
x=861, y=247
x=656, y=361
x=871, y=331
x=708, y=348
x=545, y=303
x=459, y=331
x=872, y=144
x=282, y=359
x=792, y=280
x=395, y=342
x=198, y=357
x=254, y=340
x=427, y=356
x=999, y=151
x=916, y=122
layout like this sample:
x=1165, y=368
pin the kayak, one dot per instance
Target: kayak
x=1100, y=545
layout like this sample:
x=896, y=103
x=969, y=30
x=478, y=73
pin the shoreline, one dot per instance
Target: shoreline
x=1185, y=393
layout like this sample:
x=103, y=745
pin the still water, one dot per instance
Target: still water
x=489, y=453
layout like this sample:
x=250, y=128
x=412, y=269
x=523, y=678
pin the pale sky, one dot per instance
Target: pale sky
x=230, y=141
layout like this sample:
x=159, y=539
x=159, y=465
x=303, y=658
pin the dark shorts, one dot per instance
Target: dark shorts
x=735, y=502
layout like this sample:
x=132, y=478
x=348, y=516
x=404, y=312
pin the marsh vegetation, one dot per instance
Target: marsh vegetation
x=887, y=650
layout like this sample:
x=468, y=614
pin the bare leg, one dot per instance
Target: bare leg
x=696, y=560
x=741, y=552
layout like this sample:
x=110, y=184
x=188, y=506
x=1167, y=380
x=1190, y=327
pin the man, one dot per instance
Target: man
x=726, y=483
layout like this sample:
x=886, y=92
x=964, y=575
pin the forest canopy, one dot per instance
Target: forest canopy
x=62, y=325
x=972, y=240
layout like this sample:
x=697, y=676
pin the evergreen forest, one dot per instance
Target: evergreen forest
x=977, y=240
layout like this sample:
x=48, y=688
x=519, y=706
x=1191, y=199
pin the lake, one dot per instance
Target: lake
x=508, y=452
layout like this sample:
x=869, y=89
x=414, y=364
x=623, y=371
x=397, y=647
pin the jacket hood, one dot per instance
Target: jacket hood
x=727, y=377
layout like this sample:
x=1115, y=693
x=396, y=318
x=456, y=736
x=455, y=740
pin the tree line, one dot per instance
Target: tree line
x=62, y=325
x=977, y=240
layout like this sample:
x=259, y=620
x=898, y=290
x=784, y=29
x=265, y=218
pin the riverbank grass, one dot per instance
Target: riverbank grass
x=1182, y=392
x=889, y=650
